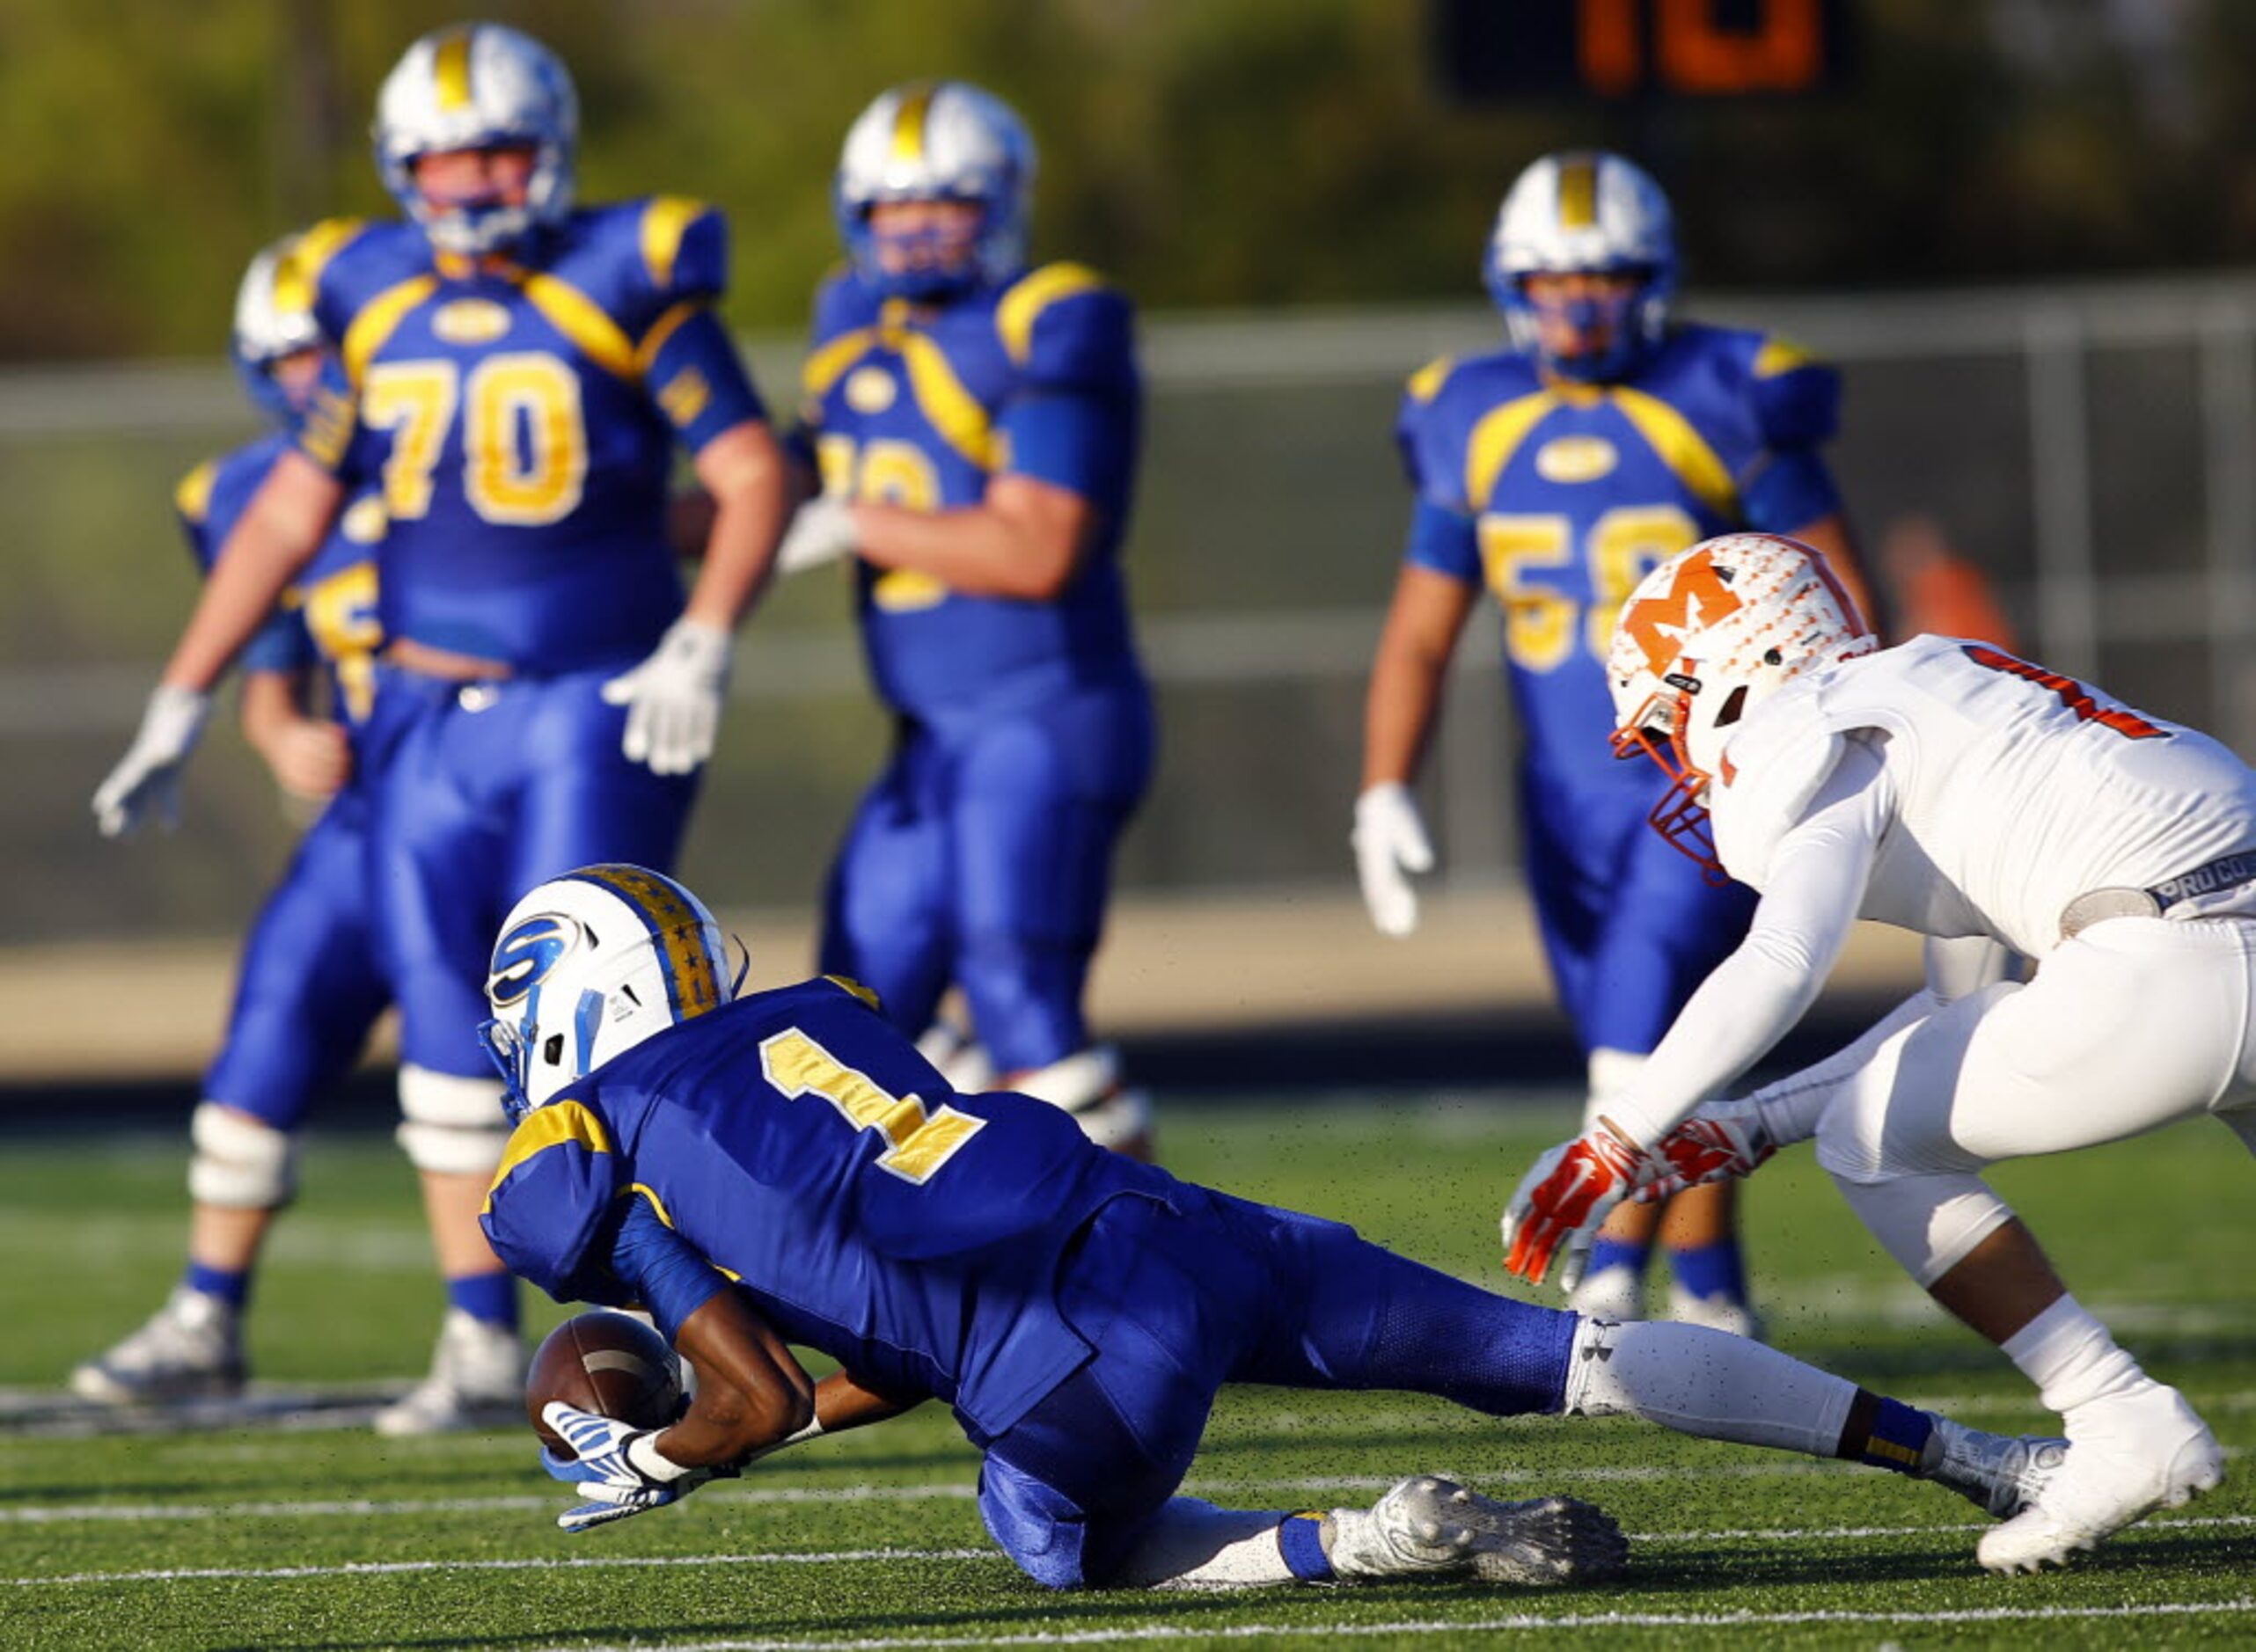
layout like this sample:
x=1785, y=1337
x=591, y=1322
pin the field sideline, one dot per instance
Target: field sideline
x=312, y=1535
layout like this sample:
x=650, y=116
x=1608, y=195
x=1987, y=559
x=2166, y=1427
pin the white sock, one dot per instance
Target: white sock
x=2071, y=1357
x=1193, y=1545
x=1707, y=1383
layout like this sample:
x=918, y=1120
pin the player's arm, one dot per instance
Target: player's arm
x=752, y=1392
x=309, y=756
x=1025, y=540
x=744, y=474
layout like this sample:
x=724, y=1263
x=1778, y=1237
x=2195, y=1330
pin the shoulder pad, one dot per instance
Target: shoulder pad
x=1426, y=383
x=684, y=246
x=1062, y=325
x=860, y=992
x=549, y=1199
x=1797, y=399
x=1770, y=772
x=192, y=497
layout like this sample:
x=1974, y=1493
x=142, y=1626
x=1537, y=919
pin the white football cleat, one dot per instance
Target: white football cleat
x=2001, y=1474
x=1430, y=1527
x=477, y=1381
x=1616, y=1293
x=190, y=1349
x=2127, y=1457
x=1718, y=1313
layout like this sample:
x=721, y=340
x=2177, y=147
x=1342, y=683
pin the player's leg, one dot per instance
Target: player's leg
x=306, y=995
x=885, y=911
x=2135, y=1024
x=1037, y=803
x=440, y=837
x=1348, y=1314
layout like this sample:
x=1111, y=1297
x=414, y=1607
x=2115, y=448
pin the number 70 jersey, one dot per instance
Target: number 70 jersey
x=806, y=1149
x=1560, y=498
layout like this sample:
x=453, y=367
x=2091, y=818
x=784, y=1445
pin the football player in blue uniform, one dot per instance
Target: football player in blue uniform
x=517, y=371
x=1556, y=474
x=784, y=1168
x=976, y=425
x=308, y=989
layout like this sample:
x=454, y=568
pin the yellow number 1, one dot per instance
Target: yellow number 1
x=919, y=1145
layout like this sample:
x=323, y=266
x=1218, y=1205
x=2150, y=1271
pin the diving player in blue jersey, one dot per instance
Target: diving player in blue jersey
x=976, y=423
x=308, y=989
x=518, y=371
x=784, y=1168
x=1556, y=474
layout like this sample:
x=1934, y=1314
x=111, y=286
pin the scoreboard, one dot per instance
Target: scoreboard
x=1493, y=50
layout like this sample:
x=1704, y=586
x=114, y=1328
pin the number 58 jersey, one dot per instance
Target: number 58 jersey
x=800, y=1144
x=522, y=415
x=1559, y=498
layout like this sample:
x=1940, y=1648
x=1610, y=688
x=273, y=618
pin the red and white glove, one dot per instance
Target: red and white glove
x=1565, y=1198
x=1705, y=1147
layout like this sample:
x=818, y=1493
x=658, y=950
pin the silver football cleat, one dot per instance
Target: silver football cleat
x=190, y=1349
x=476, y=1381
x=2001, y=1474
x=1430, y=1527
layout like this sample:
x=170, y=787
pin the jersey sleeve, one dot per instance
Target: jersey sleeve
x=684, y=246
x=549, y=1210
x=330, y=433
x=1071, y=418
x=1796, y=401
x=192, y=503
x=1769, y=773
x=696, y=378
x=1443, y=535
x=657, y=1267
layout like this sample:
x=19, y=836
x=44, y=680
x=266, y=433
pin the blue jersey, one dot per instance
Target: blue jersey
x=1560, y=498
x=327, y=616
x=801, y=1144
x=923, y=407
x=522, y=417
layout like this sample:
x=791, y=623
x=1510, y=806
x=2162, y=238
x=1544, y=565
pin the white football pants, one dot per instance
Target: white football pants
x=2136, y=1023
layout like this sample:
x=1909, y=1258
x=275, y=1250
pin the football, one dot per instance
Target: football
x=610, y=1364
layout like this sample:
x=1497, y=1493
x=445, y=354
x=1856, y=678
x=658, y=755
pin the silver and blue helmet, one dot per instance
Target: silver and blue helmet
x=479, y=85
x=273, y=319
x=1586, y=212
x=937, y=141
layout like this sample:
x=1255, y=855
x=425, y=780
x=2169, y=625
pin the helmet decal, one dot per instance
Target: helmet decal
x=523, y=957
x=1699, y=593
x=909, y=124
x=693, y=973
x=450, y=70
x=1577, y=192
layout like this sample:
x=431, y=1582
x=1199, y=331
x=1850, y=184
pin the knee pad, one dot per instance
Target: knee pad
x=1087, y=1085
x=239, y=1162
x=451, y=1126
x=1929, y=1224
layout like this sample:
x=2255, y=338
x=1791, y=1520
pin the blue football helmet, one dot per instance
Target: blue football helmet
x=479, y=85
x=937, y=141
x=591, y=964
x=273, y=319
x=1586, y=212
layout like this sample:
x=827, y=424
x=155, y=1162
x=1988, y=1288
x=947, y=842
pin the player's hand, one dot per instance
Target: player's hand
x=1708, y=1147
x=673, y=698
x=612, y=1466
x=822, y=530
x=1390, y=842
x=1565, y=1198
x=147, y=780
x=310, y=757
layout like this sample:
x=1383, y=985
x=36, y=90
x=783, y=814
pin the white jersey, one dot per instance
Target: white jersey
x=1947, y=788
x=2016, y=790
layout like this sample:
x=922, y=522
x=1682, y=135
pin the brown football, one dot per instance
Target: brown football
x=607, y=1362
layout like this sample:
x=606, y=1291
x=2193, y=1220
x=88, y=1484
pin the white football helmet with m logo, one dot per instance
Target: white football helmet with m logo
x=1706, y=637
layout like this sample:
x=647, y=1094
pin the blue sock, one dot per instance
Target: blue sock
x=492, y=1298
x=1711, y=1270
x=1612, y=1252
x=1896, y=1438
x=231, y=1285
x=1300, y=1538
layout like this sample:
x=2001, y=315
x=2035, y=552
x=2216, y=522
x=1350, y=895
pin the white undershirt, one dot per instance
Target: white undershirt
x=1810, y=893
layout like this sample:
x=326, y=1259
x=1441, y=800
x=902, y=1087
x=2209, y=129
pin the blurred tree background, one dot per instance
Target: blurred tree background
x=1205, y=152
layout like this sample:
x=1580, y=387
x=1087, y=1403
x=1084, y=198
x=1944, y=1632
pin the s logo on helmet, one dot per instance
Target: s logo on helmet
x=1697, y=597
x=524, y=956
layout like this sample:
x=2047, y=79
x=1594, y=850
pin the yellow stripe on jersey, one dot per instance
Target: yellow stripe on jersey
x=1020, y=308
x=1780, y=356
x=693, y=973
x=544, y=1128
x=1577, y=192
x=952, y=409
x=657, y=1205
x=909, y=124
x=858, y=989
x=1426, y=383
x=192, y=497
x=663, y=329
x=1680, y=447
x=450, y=70
x=827, y=365
x=379, y=319
x=1496, y=438
x=664, y=221
x=308, y=256
x=581, y=320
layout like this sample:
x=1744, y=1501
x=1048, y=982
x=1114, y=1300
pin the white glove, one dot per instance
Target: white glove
x=673, y=698
x=147, y=780
x=1390, y=840
x=822, y=530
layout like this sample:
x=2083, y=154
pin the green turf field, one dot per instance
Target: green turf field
x=298, y=1535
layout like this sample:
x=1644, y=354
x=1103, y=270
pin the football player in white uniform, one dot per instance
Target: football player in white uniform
x=1946, y=787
